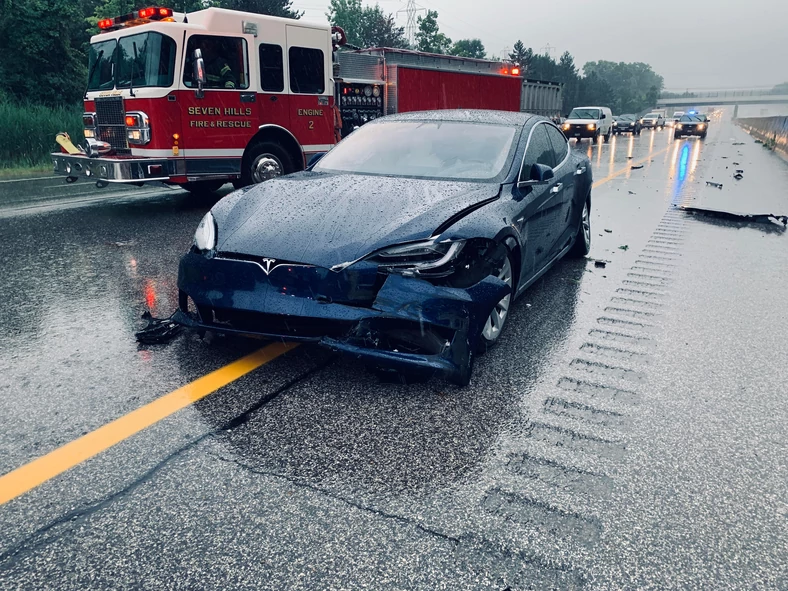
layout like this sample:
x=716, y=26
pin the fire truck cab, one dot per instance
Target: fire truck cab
x=203, y=99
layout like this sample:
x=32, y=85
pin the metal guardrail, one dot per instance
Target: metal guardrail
x=773, y=131
x=722, y=94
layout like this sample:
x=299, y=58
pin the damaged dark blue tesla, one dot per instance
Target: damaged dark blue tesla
x=404, y=246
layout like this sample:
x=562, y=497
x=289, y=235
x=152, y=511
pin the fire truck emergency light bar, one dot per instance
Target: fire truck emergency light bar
x=138, y=17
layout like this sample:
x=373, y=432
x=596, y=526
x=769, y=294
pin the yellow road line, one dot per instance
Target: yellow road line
x=56, y=462
x=618, y=173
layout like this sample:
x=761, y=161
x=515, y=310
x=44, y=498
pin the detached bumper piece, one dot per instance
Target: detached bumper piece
x=407, y=324
x=114, y=169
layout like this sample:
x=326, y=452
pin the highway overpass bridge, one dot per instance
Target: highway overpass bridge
x=709, y=98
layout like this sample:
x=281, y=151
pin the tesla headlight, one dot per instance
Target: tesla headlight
x=205, y=236
x=418, y=257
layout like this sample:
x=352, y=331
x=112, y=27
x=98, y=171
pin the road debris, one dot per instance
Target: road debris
x=608, y=231
x=759, y=218
x=713, y=184
x=158, y=330
x=600, y=264
x=742, y=143
x=121, y=243
x=632, y=193
x=624, y=247
x=638, y=167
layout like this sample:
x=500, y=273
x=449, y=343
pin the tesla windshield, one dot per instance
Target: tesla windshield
x=435, y=149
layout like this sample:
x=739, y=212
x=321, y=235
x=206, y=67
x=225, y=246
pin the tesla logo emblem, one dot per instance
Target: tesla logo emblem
x=267, y=264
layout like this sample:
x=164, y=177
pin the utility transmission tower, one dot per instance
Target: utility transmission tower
x=548, y=50
x=410, y=28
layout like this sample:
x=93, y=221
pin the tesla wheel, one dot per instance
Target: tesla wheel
x=582, y=245
x=201, y=188
x=495, y=322
x=608, y=136
x=265, y=161
x=703, y=136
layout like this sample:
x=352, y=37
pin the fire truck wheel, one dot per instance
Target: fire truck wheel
x=265, y=161
x=202, y=187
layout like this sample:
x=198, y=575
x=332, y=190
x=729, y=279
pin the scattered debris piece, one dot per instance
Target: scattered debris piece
x=742, y=143
x=638, y=167
x=608, y=231
x=760, y=218
x=724, y=157
x=739, y=171
x=121, y=243
x=738, y=176
x=757, y=142
x=158, y=330
x=736, y=164
x=528, y=305
x=713, y=184
x=624, y=247
x=630, y=157
x=600, y=264
x=632, y=193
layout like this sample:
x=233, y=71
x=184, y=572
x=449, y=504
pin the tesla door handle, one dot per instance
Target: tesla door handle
x=581, y=170
x=557, y=188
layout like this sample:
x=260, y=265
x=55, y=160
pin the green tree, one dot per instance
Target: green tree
x=428, y=37
x=366, y=26
x=468, y=48
x=283, y=8
x=780, y=88
x=41, y=57
x=522, y=56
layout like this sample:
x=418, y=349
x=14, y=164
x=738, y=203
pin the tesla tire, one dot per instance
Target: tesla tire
x=582, y=245
x=496, y=321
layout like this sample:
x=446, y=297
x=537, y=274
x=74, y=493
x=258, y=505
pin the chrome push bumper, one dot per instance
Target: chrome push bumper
x=104, y=170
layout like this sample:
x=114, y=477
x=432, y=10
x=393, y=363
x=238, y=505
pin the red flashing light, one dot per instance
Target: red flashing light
x=105, y=23
x=147, y=12
x=131, y=121
x=505, y=71
x=515, y=71
x=165, y=12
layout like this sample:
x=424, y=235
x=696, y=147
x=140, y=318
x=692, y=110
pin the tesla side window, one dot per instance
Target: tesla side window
x=272, y=73
x=307, y=72
x=539, y=151
x=557, y=139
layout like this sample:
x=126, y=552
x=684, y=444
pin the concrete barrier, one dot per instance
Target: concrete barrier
x=772, y=131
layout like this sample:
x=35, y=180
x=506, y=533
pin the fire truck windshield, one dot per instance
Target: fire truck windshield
x=146, y=59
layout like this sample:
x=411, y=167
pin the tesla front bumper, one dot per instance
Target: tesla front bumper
x=405, y=323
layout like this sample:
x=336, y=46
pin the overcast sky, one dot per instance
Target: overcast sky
x=692, y=44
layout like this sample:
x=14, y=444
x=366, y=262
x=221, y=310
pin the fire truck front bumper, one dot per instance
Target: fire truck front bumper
x=109, y=169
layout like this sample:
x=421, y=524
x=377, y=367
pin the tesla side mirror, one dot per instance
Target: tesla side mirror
x=199, y=73
x=540, y=175
x=314, y=160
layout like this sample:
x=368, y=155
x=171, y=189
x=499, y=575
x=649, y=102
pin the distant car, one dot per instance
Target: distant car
x=691, y=125
x=627, y=124
x=652, y=121
x=589, y=122
x=404, y=246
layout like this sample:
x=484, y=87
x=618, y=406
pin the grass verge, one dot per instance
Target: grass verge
x=28, y=134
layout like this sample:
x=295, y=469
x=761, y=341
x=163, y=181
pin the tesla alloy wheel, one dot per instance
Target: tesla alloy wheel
x=497, y=318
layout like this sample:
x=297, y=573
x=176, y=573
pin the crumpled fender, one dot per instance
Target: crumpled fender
x=463, y=310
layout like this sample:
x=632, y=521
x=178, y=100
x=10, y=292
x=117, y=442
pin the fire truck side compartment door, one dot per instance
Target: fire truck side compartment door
x=271, y=74
x=311, y=87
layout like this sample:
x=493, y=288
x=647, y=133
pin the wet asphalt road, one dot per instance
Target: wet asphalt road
x=629, y=432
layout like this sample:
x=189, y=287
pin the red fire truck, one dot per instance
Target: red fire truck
x=221, y=96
